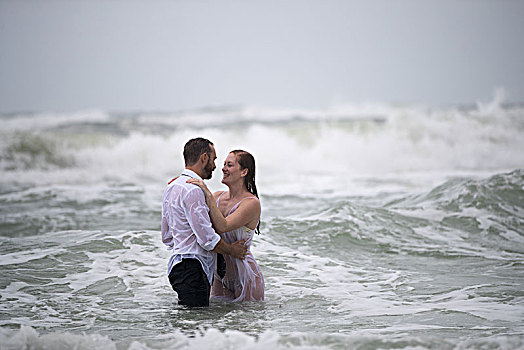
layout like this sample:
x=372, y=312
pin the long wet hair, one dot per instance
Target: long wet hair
x=247, y=161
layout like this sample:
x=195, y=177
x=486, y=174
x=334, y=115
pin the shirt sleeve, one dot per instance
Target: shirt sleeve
x=167, y=237
x=197, y=214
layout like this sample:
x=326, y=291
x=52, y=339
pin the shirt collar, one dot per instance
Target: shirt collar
x=191, y=173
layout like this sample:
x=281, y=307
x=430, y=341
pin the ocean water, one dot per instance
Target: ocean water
x=382, y=227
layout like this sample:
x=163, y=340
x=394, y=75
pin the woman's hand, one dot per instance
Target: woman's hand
x=202, y=185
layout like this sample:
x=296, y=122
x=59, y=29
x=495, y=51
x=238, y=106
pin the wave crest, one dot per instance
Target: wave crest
x=29, y=151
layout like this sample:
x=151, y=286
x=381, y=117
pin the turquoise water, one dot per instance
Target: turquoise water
x=382, y=227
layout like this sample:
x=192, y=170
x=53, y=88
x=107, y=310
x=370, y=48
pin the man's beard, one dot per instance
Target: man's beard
x=208, y=171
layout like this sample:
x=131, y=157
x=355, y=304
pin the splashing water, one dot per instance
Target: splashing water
x=382, y=227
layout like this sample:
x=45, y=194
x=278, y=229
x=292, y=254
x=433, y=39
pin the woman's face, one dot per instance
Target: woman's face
x=231, y=170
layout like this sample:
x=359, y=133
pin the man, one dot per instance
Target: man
x=186, y=228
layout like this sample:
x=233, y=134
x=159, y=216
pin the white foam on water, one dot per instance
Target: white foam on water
x=311, y=156
x=13, y=292
x=27, y=337
x=293, y=147
x=350, y=290
x=136, y=265
x=43, y=121
x=21, y=257
x=466, y=300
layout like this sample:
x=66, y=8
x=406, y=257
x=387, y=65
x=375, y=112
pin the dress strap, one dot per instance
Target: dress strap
x=218, y=199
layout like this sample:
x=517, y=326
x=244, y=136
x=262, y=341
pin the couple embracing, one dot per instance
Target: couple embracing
x=210, y=233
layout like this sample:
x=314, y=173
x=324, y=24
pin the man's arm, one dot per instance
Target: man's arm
x=167, y=237
x=246, y=213
x=236, y=250
x=197, y=214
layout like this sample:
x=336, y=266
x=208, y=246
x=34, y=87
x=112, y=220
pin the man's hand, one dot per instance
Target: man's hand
x=238, y=249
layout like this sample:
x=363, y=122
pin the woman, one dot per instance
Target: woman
x=235, y=215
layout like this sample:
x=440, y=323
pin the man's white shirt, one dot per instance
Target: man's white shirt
x=186, y=226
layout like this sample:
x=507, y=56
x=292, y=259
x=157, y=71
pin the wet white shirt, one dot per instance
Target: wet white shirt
x=186, y=226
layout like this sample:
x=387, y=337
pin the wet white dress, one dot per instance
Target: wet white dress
x=243, y=280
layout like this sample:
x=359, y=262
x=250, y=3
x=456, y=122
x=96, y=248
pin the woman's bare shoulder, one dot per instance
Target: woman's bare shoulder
x=250, y=202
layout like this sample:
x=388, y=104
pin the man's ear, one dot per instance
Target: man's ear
x=203, y=158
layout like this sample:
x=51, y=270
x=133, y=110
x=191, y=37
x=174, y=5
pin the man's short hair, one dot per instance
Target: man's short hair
x=194, y=148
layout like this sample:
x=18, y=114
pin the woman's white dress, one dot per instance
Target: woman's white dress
x=243, y=280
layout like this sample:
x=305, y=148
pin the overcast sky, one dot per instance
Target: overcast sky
x=175, y=55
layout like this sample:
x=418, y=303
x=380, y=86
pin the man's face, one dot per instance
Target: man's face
x=210, y=166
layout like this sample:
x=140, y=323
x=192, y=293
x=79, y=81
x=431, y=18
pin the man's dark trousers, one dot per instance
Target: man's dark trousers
x=190, y=282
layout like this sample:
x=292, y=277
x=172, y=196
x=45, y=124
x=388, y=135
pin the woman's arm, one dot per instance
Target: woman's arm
x=247, y=212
